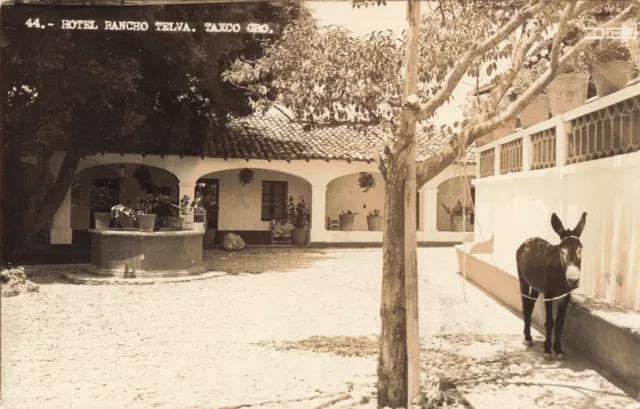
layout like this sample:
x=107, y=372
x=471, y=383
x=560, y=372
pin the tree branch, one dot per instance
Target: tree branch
x=437, y=163
x=562, y=28
x=427, y=109
x=505, y=83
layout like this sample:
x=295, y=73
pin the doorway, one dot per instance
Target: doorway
x=208, y=191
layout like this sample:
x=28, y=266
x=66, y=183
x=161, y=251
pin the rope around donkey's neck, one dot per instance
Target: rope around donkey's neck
x=466, y=191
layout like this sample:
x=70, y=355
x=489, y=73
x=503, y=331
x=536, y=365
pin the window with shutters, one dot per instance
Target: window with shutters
x=274, y=200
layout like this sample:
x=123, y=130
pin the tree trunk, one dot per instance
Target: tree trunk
x=399, y=349
x=410, y=242
x=29, y=215
x=392, y=351
x=55, y=196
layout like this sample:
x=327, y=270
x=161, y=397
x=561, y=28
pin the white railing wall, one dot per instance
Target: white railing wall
x=586, y=160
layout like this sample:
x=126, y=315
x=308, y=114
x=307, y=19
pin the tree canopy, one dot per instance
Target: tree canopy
x=85, y=92
x=327, y=77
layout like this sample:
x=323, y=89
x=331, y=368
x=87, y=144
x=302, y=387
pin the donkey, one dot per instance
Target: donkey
x=553, y=271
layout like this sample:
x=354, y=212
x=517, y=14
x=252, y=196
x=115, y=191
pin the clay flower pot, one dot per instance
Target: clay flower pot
x=102, y=220
x=374, y=223
x=537, y=111
x=176, y=222
x=567, y=91
x=146, y=222
x=346, y=222
x=299, y=237
x=611, y=76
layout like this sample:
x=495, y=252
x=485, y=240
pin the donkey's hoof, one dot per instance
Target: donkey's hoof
x=560, y=357
x=528, y=343
x=547, y=356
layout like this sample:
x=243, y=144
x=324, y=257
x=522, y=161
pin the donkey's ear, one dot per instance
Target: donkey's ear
x=580, y=226
x=557, y=224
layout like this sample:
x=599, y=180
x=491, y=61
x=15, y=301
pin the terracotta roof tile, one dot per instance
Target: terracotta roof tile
x=276, y=138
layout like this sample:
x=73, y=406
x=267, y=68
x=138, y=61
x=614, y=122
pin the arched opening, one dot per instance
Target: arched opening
x=98, y=188
x=451, y=199
x=345, y=194
x=245, y=202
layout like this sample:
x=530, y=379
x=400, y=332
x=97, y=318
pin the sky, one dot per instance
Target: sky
x=363, y=21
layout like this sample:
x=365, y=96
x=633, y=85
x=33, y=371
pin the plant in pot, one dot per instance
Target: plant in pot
x=146, y=208
x=346, y=220
x=538, y=109
x=568, y=90
x=245, y=176
x=182, y=209
x=366, y=181
x=456, y=213
x=101, y=198
x=374, y=220
x=611, y=65
x=123, y=214
x=298, y=217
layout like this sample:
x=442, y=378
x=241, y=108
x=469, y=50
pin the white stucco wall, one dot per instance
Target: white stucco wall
x=515, y=207
x=241, y=206
x=316, y=173
x=345, y=193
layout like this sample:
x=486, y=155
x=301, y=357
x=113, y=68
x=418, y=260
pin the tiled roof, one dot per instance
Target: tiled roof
x=276, y=138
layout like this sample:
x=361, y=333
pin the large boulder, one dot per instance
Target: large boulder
x=232, y=242
x=14, y=282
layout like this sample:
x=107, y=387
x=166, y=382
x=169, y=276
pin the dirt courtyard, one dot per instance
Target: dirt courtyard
x=299, y=335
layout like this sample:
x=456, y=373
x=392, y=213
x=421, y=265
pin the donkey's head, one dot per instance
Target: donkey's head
x=570, y=248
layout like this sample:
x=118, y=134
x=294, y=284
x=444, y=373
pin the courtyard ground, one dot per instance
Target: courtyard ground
x=290, y=328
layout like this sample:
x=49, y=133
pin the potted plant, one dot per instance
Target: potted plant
x=568, y=90
x=100, y=198
x=177, y=222
x=146, y=216
x=298, y=217
x=374, y=220
x=346, y=220
x=538, y=109
x=245, y=176
x=611, y=65
x=455, y=215
x=123, y=214
x=366, y=181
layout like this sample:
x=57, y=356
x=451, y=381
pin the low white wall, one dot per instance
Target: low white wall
x=516, y=206
x=241, y=206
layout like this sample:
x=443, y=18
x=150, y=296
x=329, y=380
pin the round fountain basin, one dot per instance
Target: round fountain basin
x=135, y=254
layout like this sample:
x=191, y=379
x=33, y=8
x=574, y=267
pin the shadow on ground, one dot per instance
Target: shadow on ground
x=257, y=260
x=488, y=371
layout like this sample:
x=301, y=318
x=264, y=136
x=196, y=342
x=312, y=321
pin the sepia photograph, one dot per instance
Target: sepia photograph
x=317, y=204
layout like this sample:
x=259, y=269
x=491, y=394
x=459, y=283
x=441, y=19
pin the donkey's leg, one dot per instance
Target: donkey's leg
x=527, y=310
x=562, y=309
x=548, y=326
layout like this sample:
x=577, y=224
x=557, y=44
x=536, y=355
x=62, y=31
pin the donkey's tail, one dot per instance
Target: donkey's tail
x=518, y=258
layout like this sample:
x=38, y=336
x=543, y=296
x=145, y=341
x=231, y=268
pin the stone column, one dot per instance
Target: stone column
x=561, y=143
x=318, y=213
x=61, y=232
x=527, y=153
x=497, y=160
x=188, y=189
